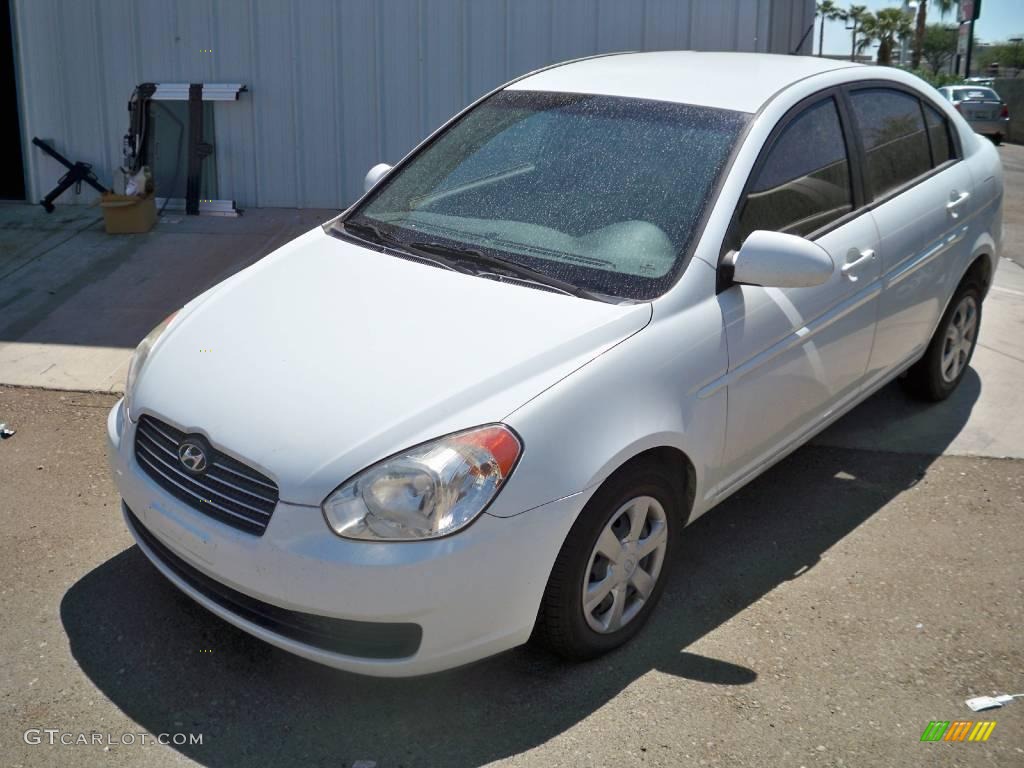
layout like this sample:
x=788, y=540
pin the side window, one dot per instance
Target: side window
x=804, y=182
x=938, y=136
x=895, y=143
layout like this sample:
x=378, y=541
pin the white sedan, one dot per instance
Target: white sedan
x=481, y=404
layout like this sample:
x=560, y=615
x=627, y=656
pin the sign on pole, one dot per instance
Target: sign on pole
x=969, y=10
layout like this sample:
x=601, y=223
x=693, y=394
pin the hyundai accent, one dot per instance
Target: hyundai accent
x=481, y=404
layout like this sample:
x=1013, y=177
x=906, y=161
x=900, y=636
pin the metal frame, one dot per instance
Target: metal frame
x=196, y=94
x=210, y=91
x=206, y=207
x=197, y=149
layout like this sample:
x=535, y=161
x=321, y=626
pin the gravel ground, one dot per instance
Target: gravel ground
x=821, y=617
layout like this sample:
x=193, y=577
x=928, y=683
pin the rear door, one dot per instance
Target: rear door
x=797, y=354
x=921, y=195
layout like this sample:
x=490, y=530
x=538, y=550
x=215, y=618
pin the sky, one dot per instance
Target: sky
x=1000, y=19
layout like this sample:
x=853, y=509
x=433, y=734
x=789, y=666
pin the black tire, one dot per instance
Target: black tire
x=925, y=379
x=561, y=623
x=997, y=139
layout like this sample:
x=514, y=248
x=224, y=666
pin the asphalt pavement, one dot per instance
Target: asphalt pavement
x=823, y=616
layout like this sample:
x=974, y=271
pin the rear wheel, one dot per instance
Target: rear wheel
x=997, y=139
x=936, y=375
x=612, y=567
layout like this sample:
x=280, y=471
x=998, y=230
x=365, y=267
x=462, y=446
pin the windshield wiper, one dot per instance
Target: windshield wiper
x=364, y=230
x=511, y=268
x=368, y=232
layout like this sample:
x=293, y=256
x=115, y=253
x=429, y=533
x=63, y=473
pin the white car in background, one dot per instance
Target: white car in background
x=481, y=404
x=982, y=108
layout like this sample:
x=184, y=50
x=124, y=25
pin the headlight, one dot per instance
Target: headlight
x=139, y=359
x=428, y=491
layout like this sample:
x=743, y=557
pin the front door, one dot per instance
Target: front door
x=798, y=354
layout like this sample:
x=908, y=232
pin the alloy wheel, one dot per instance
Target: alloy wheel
x=959, y=341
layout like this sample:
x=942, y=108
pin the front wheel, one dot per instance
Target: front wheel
x=612, y=567
x=936, y=375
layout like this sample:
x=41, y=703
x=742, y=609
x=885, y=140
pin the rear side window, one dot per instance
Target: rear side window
x=804, y=182
x=938, y=135
x=895, y=141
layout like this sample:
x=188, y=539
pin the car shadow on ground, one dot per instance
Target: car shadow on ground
x=173, y=667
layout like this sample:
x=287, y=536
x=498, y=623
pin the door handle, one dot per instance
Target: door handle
x=955, y=201
x=849, y=266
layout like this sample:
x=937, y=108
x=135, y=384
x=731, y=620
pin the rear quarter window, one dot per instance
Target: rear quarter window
x=939, y=136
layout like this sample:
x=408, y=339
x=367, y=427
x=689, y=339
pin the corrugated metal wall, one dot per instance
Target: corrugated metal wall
x=334, y=87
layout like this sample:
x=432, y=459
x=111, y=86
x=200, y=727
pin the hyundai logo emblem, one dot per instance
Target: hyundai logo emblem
x=192, y=457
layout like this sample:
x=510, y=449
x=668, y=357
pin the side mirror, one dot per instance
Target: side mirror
x=376, y=174
x=776, y=260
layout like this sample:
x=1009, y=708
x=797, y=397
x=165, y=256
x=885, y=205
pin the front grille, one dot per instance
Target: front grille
x=368, y=639
x=228, y=491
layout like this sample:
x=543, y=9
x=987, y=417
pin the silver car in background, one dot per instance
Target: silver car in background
x=981, y=107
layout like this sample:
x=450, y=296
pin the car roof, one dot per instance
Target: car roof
x=738, y=81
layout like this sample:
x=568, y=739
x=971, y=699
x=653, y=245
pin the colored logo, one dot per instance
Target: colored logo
x=958, y=730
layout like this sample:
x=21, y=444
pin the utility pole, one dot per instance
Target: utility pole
x=970, y=48
x=969, y=11
x=909, y=8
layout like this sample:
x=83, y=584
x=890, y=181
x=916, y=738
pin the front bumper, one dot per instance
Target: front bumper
x=472, y=594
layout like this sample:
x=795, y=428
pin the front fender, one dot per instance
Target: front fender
x=639, y=395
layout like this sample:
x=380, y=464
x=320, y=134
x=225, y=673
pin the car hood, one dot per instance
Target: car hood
x=325, y=357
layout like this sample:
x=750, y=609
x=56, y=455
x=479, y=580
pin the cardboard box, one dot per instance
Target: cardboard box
x=124, y=215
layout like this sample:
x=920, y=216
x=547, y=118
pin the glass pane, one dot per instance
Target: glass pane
x=603, y=192
x=893, y=131
x=805, y=181
x=938, y=131
x=208, y=189
x=168, y=149
x=977, y=94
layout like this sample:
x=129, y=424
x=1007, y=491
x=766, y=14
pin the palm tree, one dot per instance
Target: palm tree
x=868, y=32
x=890, y=25
x=855, y=13
x=945, y=7
x=828, y=11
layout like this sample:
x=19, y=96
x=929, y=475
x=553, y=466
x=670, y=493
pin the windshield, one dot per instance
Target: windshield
x=603, y=193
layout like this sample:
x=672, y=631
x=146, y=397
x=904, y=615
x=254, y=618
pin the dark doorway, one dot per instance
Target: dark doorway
x=12, y=178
